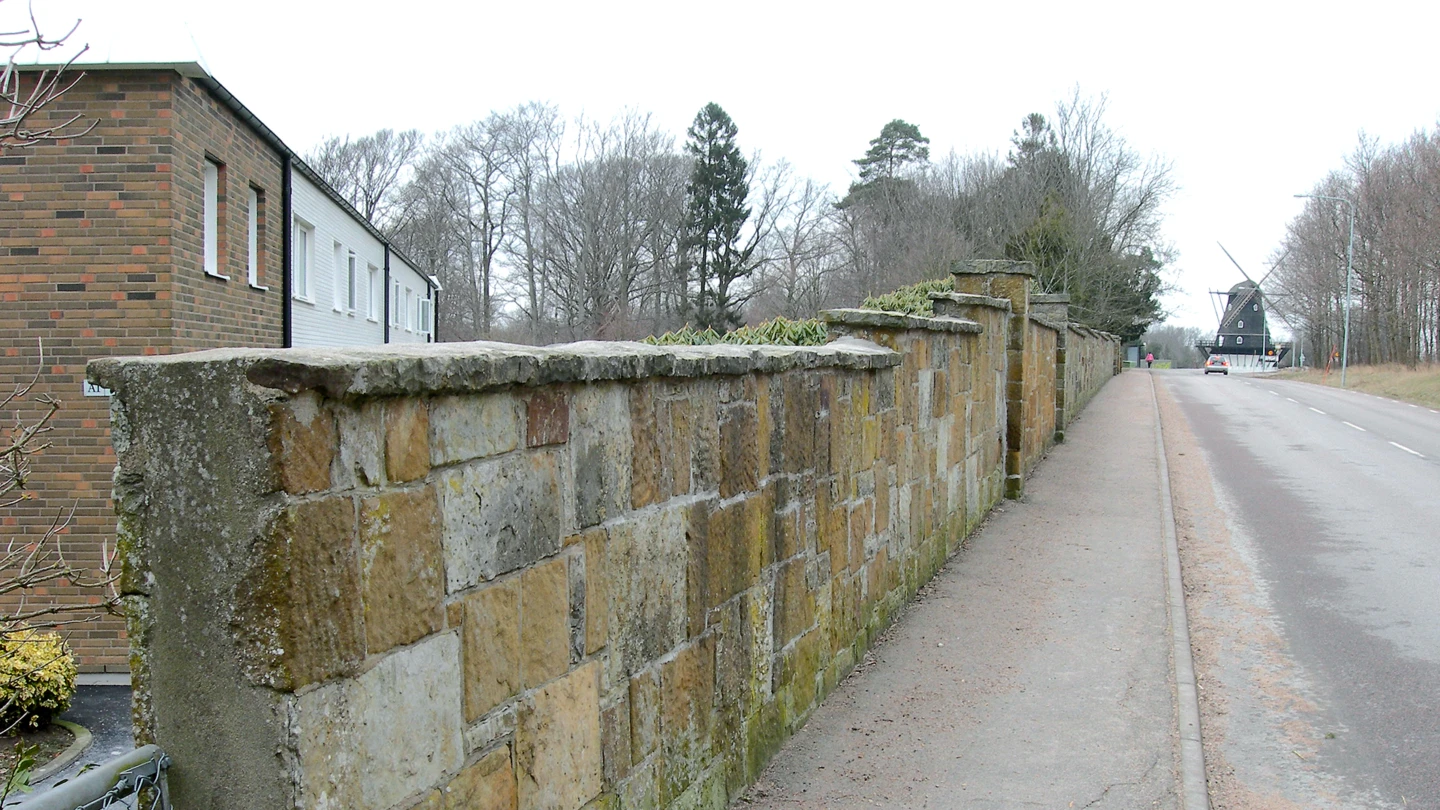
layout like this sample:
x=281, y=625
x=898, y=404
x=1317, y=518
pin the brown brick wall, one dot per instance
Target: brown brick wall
x=209, y=312
x=99, y=257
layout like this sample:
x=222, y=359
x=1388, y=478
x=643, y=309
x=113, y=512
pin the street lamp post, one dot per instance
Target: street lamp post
x=1349, y=260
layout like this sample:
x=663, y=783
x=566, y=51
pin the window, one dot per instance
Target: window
x=300, y=261
x=409, y=310
x=256, y=235
x=1220, y=341
x=353, y=283
x=424, y=316
x=1255, y=307
x=1241, y=325
x=213, y=197
x=395, y=311
x=1239, y=339
x=337, y=278
x=373, y=294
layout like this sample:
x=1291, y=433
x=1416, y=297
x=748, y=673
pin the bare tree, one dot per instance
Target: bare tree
x=22, y=103
x=368, y=170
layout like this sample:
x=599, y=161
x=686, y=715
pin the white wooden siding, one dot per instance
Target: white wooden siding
x=326, y=319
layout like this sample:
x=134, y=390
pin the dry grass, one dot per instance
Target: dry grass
x=1420, y=385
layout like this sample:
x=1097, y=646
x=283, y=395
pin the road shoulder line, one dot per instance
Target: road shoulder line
x=1194, y=791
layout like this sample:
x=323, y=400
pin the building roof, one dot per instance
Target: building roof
x=201, y=76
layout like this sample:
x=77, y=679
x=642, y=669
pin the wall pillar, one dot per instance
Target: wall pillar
x=998, y=278
x=1054, y=308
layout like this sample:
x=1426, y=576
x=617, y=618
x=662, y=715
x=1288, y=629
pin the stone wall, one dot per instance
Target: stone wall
x=1091, y=358
x=589, y=576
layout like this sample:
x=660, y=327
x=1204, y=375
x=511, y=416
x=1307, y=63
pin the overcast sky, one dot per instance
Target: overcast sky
x=1252, y=102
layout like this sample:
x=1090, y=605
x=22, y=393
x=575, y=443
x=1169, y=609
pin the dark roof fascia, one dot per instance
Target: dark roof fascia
x=195, y=71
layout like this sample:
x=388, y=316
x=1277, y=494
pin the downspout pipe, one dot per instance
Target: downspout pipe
x=287, y=218
x=387, y=292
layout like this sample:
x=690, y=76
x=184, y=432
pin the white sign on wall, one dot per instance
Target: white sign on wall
x=93, y=390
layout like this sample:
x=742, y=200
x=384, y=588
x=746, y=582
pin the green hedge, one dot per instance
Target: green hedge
x=912, y=300
x=779, y=332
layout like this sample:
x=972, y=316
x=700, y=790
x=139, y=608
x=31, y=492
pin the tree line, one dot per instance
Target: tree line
x=1395, y=298
x=543, y=228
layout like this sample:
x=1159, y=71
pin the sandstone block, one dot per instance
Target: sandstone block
x=644, y=694
x=487, y=784
x=302, y=444
x=739, y=453
x=615, y=740
x=557, y=743
x=544, y=622
x=499, y=515
x=361, y=460
x=464, y=428
x=402, y=568
x=299, y=616
x=601, y=453
x=794, y=602
x=647, y=585
x=547, y=418
x=407, y=440
x=390, y=733
x=597, y=592
x=489, y=622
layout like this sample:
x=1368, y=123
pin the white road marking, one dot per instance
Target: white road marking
x=1411, y=404
x=1317, y=410
x=1276, y=393
x=1408, y=450
x=1296, y=401
x=1357, y=427
x=1432, y=410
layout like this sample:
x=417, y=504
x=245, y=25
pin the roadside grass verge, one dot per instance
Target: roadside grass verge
x=1420, y=385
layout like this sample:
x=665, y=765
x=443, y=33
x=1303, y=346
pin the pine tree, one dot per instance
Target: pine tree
x=716, y=217
x=900, y=145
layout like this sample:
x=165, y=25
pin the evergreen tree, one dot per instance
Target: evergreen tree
x=899, y=145
x=716, y=216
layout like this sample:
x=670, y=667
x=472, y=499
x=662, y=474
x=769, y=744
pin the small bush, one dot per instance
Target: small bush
x=912, y=300
x=37, y=678
x=779, y=332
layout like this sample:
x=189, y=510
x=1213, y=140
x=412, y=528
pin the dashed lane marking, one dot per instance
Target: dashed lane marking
x=1317, y=410
x=1408, y=450
x=1357, y=427
x=1296, y=401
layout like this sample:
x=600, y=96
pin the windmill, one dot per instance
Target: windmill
x=1243, y=333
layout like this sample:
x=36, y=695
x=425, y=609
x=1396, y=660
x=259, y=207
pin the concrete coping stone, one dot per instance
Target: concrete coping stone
x=992, y=267
x=1050, y=298
x=1095, y=333
x=461, y=368
x=968, y=299
x=1048, y=323
x=881, y=319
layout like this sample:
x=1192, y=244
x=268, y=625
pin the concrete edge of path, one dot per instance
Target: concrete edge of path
x=1194, y=790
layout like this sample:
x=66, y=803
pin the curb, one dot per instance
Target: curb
x=69, y=755
x=1194, y=791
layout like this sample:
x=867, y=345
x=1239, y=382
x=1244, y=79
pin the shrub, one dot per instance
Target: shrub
x=37, y=678
x=779, y=332
x=911, y=300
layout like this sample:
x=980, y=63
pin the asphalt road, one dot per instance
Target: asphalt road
x=1317, y=569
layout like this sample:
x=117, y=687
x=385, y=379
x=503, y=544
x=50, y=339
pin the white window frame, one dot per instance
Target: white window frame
x=424, y=305
x=211, y=215
x=337, y=291
x=375, y=294
x=397, y=315
x=409, y=310
x=352, y=280
x=302, y=260
x=253, y=252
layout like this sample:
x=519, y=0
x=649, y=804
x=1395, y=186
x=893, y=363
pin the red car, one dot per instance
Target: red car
x=1218, y=365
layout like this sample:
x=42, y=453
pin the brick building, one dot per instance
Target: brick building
x=179, y=222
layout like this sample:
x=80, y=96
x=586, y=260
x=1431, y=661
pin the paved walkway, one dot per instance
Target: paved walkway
x=1034, y=671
